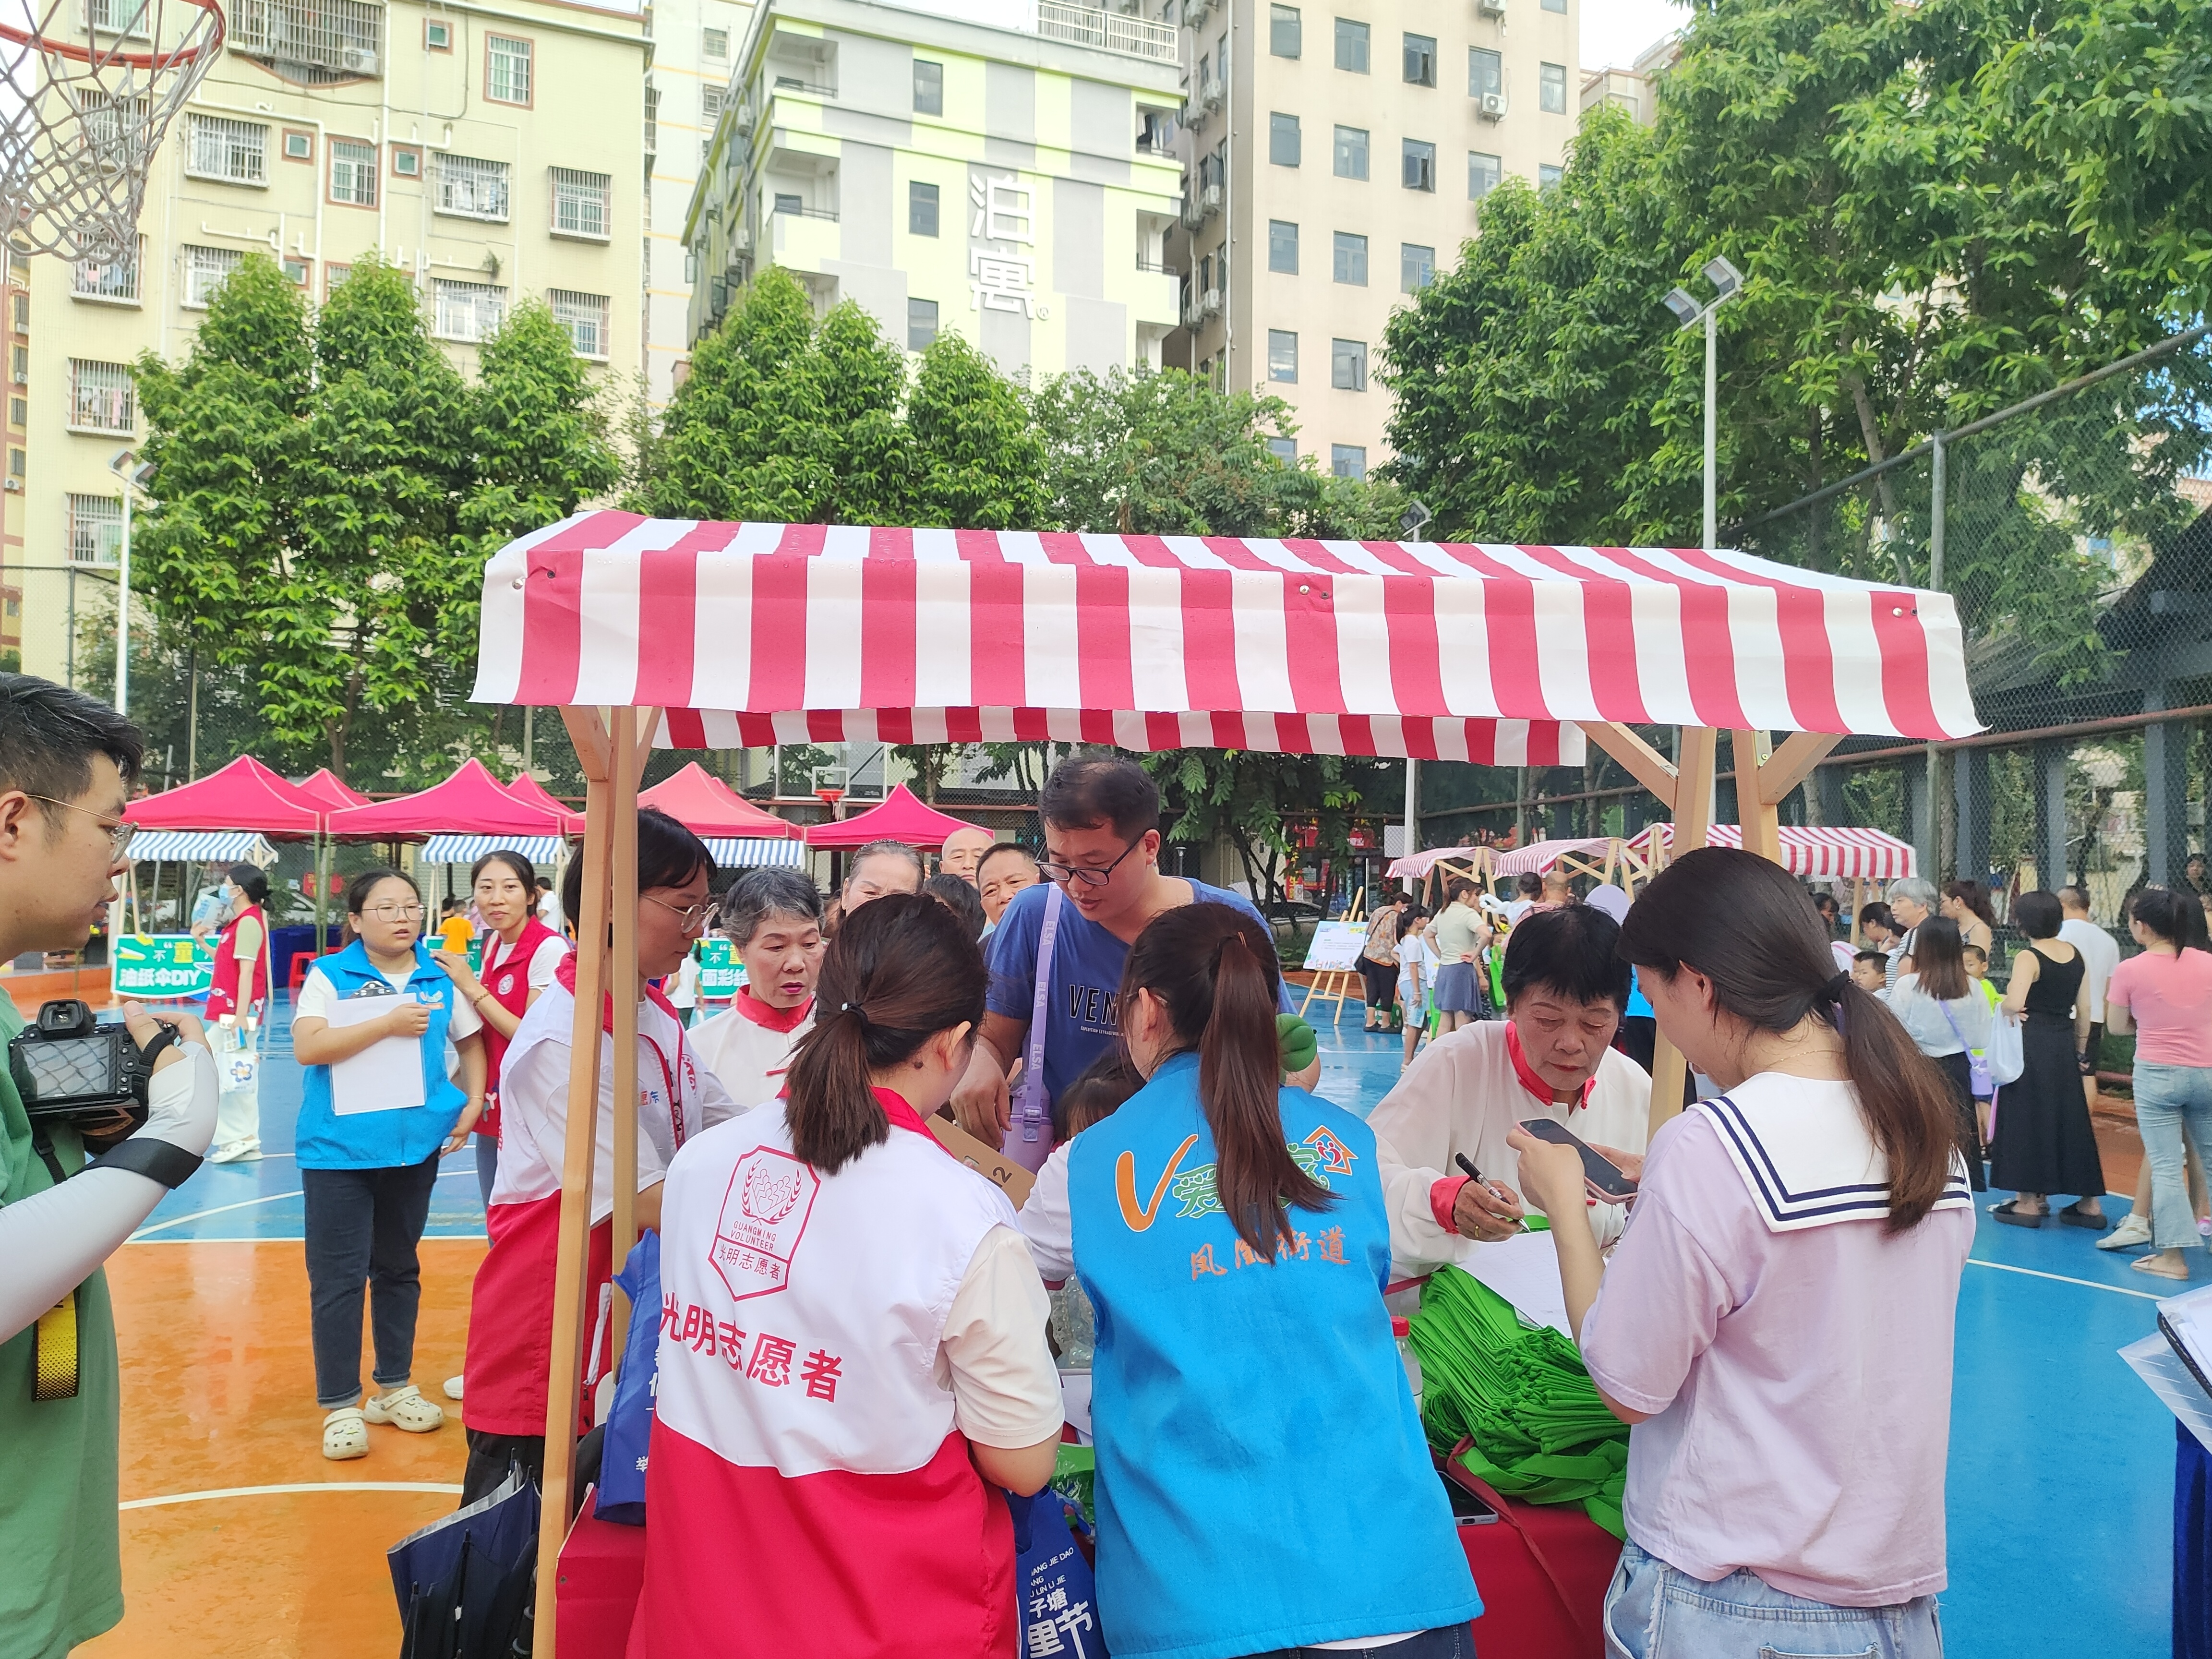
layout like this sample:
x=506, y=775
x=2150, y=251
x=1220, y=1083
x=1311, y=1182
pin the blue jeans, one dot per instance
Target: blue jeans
x=2169, y=1100
x=487, y=1163
x=1445, y=1641
x=362, y=1228
x=1653, y=1611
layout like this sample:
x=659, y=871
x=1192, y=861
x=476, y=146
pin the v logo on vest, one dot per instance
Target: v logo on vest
x=764, y=1212
x=1140, y=1216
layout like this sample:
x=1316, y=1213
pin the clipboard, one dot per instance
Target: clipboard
x=384, y=1076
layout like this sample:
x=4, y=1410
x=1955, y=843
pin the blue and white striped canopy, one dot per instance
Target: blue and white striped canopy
x=467, y=849
x=195, y=846
x=765, y=852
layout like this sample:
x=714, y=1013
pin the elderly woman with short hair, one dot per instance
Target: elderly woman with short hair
x=1912, y=900
x=773, y=919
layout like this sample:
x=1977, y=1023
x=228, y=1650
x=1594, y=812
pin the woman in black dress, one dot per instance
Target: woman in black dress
x=2043, y=1142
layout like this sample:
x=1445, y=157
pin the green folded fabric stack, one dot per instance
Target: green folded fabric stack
x=1540, y=1431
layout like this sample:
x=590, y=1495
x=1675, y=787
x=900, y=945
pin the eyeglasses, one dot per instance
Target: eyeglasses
x=1090, y=876
x=396, y=912
x=119, y=831
x=693, y=916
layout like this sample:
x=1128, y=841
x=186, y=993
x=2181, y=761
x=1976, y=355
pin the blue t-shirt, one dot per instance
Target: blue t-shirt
x=1082, y=1015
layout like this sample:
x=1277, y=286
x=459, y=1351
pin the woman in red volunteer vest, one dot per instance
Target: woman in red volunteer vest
x=851, y=1342
x=773, y=918
x=519, y=955
x=511, y=1313
x=241, y=983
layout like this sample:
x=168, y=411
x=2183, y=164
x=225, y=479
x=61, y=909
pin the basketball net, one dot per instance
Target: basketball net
x=87, y=89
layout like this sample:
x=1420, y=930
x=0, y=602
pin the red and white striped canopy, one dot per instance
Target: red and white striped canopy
x=753, y=634
x=1538, y=856
x=1816, y=850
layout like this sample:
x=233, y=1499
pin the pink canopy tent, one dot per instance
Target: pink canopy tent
x=471, y=802
x=326, y=787
x=902, y=817
x=710, y=809
x=243, y=795
x=531, y=793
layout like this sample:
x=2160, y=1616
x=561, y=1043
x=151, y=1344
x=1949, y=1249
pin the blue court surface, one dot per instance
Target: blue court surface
x=2060, y=1495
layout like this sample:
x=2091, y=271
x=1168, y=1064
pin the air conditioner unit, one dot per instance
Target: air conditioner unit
x=1195, y=14
x=1194, y=216
x=1211, y=305
x=1209, y=95
x=1209, y=202
x=1191, y=315
x=1493, y=106
x=1491, y=8
x=742, y=237
x=13, y=486
x=359, y=60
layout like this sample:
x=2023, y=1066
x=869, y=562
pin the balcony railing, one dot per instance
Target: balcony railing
x=1094, y=26
x=313, y=41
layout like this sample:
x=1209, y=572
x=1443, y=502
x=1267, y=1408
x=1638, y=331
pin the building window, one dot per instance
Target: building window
x=1350, y=45
x=353, y=173
x=1552, y=88
x=1417, y=267
x=116, y=281
x=920, y=324
x=928, y=87
x=1420, y=60
x=437, y=34
x=19, y=364
x=236, y=152
x=124, y=17
x=1347, y=365
x=1283, y=247
x=1558, y=6
x=1347, y=460
x=789, y=202
x=18, y=411
x=1352, y=152
x=1417, y=164
x=1285, y=449
x=1485, y=73
x=102, y=397
x=332, y=277
x=95, y=529
x=1285, y=31
x=469, y=188
x=583, y=204
x=920, y=210
x=1351, y=260
x=715, y=44
x=1548, y=175
x=1483, y=172
x=299, y=272
x=406, y=162
x=17, y=464
x=585, y=317
x=710, y=104
x=299, y=146
x=652, y=119
x=1285, y=147
x=204, y=271
x=1282, y=355
x=468, y=311
x=506, y=70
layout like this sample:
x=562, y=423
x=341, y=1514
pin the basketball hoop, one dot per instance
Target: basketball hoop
x=82, y=117
x=829, y=783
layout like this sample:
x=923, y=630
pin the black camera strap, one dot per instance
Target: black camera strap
x=54, y=1366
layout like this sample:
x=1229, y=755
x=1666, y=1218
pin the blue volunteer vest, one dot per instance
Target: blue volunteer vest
x=1263, y=1481
x=382, y=1141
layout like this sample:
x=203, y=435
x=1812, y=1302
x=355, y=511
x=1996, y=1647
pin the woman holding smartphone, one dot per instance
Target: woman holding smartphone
x=1777, y=1320
x=369, y=1140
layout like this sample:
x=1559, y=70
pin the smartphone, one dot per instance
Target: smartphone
x=1601, y=1172
x=1468, y=1510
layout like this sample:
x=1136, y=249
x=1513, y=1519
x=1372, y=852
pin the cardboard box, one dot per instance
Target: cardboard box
x=1009, y=1175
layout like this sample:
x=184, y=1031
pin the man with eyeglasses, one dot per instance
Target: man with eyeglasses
x=1102, y=838
x=66, y=767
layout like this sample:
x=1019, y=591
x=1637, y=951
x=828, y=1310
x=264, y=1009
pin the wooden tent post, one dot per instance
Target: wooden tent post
x=632, y=743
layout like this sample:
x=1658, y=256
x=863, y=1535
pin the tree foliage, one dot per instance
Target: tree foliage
x=1243, y=796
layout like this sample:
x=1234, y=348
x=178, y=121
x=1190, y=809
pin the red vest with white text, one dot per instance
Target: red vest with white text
x=225, y=995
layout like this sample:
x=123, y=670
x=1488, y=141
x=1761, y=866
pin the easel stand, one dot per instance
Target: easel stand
x=1330, y=986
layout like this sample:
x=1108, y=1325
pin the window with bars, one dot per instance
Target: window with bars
x=585, y=317
x=507, y=70
x=310, y=42
x=652, y=119
x=333, y=275
x=18, y=411
x=124, y=17
x=236, y=152
x=471, y=188
x=714, y=43
x=710, y=104
x=115, y=281
x=204, y=271
x=353, y=173
x=583, y=204
x=102, y=397
x=468, y=311
x=95, y=529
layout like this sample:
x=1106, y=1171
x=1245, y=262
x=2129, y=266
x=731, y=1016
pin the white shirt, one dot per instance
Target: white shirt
x=548, y=908
x=1045, y=1222
x=747, y=1058
x=317, y=996
x=1415, y=956
x=2100, y=954
x=1462, y=1095
x=1924, y=1022
x=544, y=960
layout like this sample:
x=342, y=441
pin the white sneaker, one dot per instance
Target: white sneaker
x=452, y=1387
x=2133, y=1229
x=405, y=1408
x=343, y=1434
x=231, y=1151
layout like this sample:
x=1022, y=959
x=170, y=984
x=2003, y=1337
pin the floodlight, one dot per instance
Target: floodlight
x=1723, y=276
x=1684, y=308
x=121, y=459
x=1410, y=521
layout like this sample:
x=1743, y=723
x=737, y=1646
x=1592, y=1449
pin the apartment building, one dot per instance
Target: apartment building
x=694, y=43
x=1336, y=150
x=495, y=148
x=1009, y=175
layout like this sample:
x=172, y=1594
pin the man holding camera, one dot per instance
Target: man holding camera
x=66, y=765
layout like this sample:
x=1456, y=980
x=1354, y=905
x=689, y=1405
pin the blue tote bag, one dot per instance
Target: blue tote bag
x=629, y=1423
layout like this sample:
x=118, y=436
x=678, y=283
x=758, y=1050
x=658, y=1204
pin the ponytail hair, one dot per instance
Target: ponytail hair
x=2178, y=920
x=1214, y=969
x=1746, y=926
x=900, y=970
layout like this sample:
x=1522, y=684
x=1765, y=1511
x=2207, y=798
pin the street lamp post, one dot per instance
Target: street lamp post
x=124, y=463
x=1727, y=283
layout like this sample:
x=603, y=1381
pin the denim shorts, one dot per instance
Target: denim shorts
x=1653, y=1611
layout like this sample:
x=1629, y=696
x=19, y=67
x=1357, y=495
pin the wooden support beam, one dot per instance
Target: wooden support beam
x=1792, y=763
x=1637, y=758
x=1694, y=799
x=627, y=765
x=1757, y=818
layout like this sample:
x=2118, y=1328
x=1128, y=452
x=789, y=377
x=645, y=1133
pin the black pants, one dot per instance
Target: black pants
x=1381, y=979
x=489, y=1455
x=363, y=1226
x=1445, y=1641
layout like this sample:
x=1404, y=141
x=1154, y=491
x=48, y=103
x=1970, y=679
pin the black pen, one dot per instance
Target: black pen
x=1475, y=1175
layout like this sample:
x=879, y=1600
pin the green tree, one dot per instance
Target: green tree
x=979, y=457
x=1242, y=797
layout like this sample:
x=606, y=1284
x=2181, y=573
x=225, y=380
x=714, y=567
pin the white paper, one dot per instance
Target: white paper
x=1524, y=1269
x=384, y=1076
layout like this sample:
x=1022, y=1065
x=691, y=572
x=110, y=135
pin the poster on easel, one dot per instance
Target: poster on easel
x=1335, y=947
x=163, y=967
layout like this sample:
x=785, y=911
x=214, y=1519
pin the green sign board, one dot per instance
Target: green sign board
x=720, y=973
x=162, y=965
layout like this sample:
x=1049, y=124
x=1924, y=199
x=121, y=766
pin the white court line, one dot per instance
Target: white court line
x=2091, y=1283
x=273, y=1492
x=248, y=1204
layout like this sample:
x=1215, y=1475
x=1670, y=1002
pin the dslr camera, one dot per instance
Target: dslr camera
x=70, y=1069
